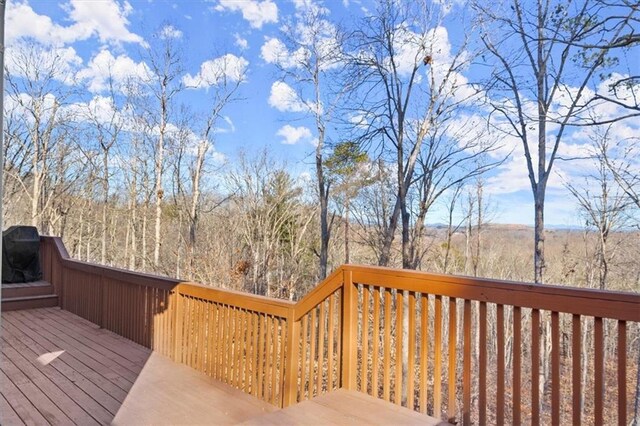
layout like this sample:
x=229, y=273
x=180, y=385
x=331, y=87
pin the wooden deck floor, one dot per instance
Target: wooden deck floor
x=57, y=368
x=343, y=407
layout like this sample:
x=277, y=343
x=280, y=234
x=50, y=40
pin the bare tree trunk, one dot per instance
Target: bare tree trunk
x=159, y=195
x=144, y=236
x=105, y=204
x=346, y=231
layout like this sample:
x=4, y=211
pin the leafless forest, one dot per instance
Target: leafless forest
x=129, y=179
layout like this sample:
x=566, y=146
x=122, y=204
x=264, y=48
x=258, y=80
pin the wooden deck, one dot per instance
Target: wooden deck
x=59, y=369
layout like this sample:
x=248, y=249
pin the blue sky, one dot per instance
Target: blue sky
x=90, y=30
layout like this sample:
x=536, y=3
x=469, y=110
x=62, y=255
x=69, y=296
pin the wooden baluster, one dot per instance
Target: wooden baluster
x=622, y=373
x=466, y=370
x=424, y=350
x=399, y=357
x=238, y=346
x=598, y=364
x=222, y=315
x=228, y=345
x=451, y=398
x=305, y=359
x=339, y=297
x=290, y=385
x=321, y=326
x=275, y=344
x=555, y=368
x=177, y=352
x=500, y=365
x=411, y=350
x=268, y=362
x=482, y=365
x=576, y=369
x=331, y=343
x=386, y=373
x=260, y=358
x=535, y=366
x=201, y=329
x=437, y=368
x=255, y=354
x=283, y=359
x=213, y=339
x=376, y=343
x=364, y=358
x=312, y=354
x=349, y=331
x=517, y=364
x=247, y=352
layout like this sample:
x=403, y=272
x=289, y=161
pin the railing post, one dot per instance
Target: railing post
x=349, y=331
x=177, y=350
x=290, y=391
x=103, y=301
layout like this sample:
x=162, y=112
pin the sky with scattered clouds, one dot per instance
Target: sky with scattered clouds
x=241, y=40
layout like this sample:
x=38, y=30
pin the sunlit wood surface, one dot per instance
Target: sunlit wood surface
x=345, y=407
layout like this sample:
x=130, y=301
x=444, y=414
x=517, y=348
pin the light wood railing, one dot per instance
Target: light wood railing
x=470, y=350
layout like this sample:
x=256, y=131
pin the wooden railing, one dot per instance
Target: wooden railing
x=469, y=350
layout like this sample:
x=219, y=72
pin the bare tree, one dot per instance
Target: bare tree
x=603, y=204
x=407, y=85
x=310, y=59
x=538, y=47
x=36, y=87
x=163, y=83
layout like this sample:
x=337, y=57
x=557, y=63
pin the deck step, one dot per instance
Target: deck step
x=37, y=288
x=29, y=302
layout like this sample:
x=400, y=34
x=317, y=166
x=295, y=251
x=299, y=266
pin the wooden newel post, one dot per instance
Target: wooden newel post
x=290, y=390
x=349, y=331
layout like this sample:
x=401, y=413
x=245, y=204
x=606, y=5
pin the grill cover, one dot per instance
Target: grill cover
x=21, y=255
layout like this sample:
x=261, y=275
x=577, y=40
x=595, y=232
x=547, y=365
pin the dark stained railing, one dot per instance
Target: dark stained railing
x=470, y=350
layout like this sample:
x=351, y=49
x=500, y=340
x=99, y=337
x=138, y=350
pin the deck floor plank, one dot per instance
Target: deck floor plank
x=167, y=393
x=342, y=407
x=118, y=375
x=78, y=370
x=34, y=394
x=81, y=390
x=27, y=412
x=8, y=416
x=107, y=357
x=58, y=392
x=99, y=336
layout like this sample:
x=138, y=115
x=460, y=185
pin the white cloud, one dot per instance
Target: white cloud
x=169, y=31
x=257, y=13
x=213, y=72
x=273, y=51
x=293, y=135
x=284, y=98
x=241, y=42
x=104, y=66
x=106, y=20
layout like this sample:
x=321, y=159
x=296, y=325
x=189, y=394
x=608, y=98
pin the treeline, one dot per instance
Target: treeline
x=127, y=174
